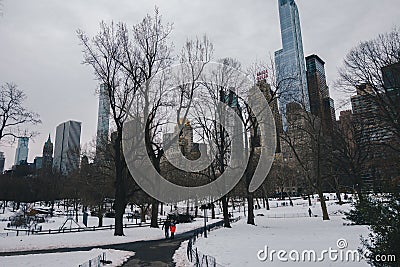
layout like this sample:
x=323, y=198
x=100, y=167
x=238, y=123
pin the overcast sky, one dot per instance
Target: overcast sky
x=40, y=52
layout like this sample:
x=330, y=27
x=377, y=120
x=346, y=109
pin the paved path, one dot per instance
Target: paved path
x=147, y=253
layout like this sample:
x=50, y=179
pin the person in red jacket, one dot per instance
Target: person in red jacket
x=172, y=228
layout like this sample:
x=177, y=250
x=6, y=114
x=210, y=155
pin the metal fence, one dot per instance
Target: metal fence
x=199, y=259
x=298, y=215
x=196, y=257
x=26, y=231
x=95, y=262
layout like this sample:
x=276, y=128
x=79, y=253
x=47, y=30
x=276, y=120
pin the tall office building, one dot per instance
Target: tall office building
x=102, y=120
x=47, y=156
x=321, y=104
x=391, y=78
x=21, y=153
x=374, y=136
x=289, y=61
x=67, y=147
x=265, y=88
x=2, y=162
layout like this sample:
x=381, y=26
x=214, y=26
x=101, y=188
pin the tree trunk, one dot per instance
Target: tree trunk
x=213, y=211
x=154, y=214
x=142, y=214
x=250, y=207
x=258, y=204
x=309, y=200
x=267, y=202
x=76, y=205
x=120, y=194
x=52, y=209
x=161, y=208
x=290, y=200
x=100, y=217
x=225, y=211
x=325, y=215
x=339, y=197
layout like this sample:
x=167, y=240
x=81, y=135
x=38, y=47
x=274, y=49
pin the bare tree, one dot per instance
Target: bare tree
x=123, y=61
x=103, y=53
x=349, y=156
x=365, y=64
x=13, y=113
x=306, y=145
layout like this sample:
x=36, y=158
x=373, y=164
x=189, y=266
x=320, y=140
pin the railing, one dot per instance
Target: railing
x=297, y=215
x=10, y=234
x=19, y=231
x=196, y=257
x=95, y=262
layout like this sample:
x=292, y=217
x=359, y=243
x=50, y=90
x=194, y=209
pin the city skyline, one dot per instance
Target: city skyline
x=49, y=68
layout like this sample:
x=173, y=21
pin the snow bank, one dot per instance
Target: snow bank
x=66, y=259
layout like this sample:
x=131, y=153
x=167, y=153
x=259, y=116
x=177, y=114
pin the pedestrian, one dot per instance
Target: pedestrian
x=309, y=212
x=166, y=225
x=172, y=228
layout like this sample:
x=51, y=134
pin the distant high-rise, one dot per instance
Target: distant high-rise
x=391, y=77
x=102, y=120
x=374, y=135
x=38, y=162
x=21, y=153
x=67, y=147
x=289, y=61
x=47, y=156
x=321, y=105
x=265, y=88
x=2, y=162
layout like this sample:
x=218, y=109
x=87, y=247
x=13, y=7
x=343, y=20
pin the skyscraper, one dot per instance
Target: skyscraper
x=21, y=153
x=265, y=88
x=375, y=137
x=321, y=104
x=289, y=61
x=102, y=120
x=47, y=156
x=67, y=147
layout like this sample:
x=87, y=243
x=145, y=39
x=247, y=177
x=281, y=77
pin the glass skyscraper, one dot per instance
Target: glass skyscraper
x=103, y=121
x=67, y=147
x=289, y=61
x=21, y=153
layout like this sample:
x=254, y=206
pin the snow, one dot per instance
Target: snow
x=67, y=259
x=180, y=259
x=282, y=228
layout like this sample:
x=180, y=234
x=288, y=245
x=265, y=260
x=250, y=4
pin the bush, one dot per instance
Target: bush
x=382, y=214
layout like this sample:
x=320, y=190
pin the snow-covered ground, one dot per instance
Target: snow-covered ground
x=180, y=258
x=276, y=230
x=82, y=239
x=67, y=259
